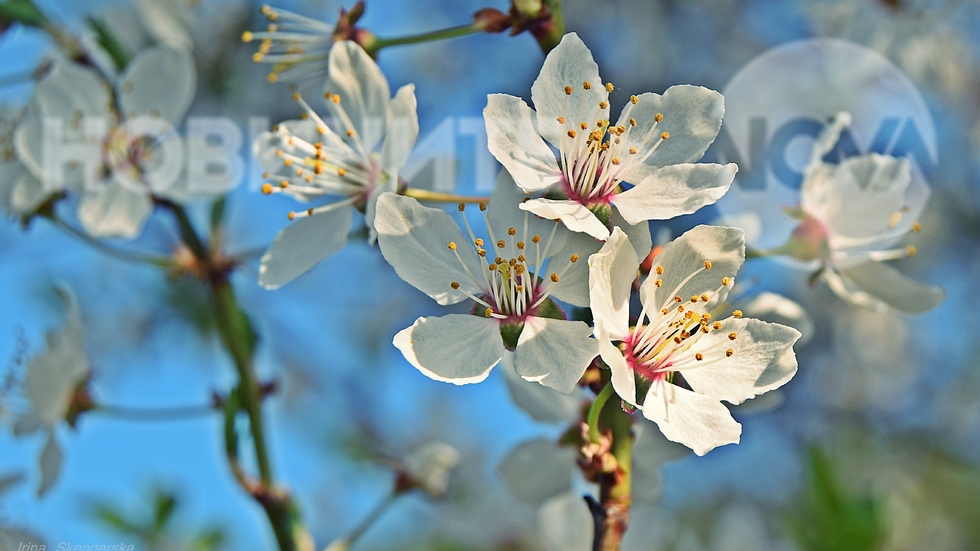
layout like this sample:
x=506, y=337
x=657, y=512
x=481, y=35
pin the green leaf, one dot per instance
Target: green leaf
x=23, y=12
x=164, y=509
x=115, y=520
x=212, y=539
x=119, y=54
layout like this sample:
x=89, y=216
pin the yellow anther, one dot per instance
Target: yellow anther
x=911, y=250
x=664, y=311
x=321, y=130
x=725, y=281
x=587, y=85
x=308, y=178
x=501, y=244
x=732, y=336
x=488, y=312
x=247, y=36
x=287, y=161
x=688, y=315
x=478, y=242
x=694, y=298
x=291, y=215
x=707, y=264
x=520, y=247
x=610, y=87
x=634, y=100
x=561, y=120
x=916, y=227
x=273, y=77
x=603, y=105
x=678, y=340
x=571, y=133
x=704, y=329
x=554, y=278
x=632, y=121
x=482, y=253
x=685, y=334
x=716, y=325
x=341, y=172
x=659, y=283
x=512, y=231
x=267, y=188
x=680, y=308
x=493, y=267
x=665, y=135
x=304, y=116
x=296, y=96
x=615, y=160
x=699, y=356
x=309, y=212
x=573, y=258
x=257, y=57
x=704, y=297
x=350, y=132
x=335, y=98
x=737, y=314
x=452, y=245
x=659, y=117
x=729, y=352
x=600, y=124
x=568, y=90
x=706, y=317
x=483, y=206
x=659, y=270
x=284, y=184
x=583, y=125
x=520, y=258
x=677, y=298
x=512, y=262
x=461, y=206
x=536, y=239
x=454, y=285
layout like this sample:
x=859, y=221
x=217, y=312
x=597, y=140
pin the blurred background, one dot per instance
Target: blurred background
x=875, y=444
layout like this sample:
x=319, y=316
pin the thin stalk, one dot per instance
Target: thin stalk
x=440, y=197
x=122, y=254
x=595, y=409
x=442, y=34
x=372, y=517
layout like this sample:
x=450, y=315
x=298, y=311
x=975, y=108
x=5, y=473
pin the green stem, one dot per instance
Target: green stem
x=187, y=232
x=442, y=34
x=440, y=197
x=131, y=256
x=595, y=410
x=549, y=36
x=372, y=517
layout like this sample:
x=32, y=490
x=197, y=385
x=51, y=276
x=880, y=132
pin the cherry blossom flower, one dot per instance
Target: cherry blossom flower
x=511, y=276
x=112, y=148
x=354, y=163
x=852, y=217
x=677, y=364
x=652, y=146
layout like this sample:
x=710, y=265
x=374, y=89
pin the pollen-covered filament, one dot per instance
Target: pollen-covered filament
x=290, y=40
x=334, y=165
x=518, y=271
x=596, y=157
x=662, y=341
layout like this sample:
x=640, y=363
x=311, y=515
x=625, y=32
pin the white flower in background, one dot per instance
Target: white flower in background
x=297, y=46
x=115, y=159
x=20, y=192
x=677, y=363
x=51, y=381
x=852, y=217
x=652, y=146
x=428, y=467
x=511, y=276
x=352, y=164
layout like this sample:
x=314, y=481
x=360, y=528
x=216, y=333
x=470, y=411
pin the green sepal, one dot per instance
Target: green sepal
x=510, y=333
x=602, y=211
x=549, y=309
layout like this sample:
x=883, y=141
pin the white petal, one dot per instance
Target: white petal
x=779, y=309
x=363, y=90
x=763, y=360
x=429, y=466
x=167, y=21
x=566, y=522
x=890, y=286
x=574, y=215
x=639, y=234
x=50, y=463
x=857, y=198
x=700, y=422
x=623, y=380
x=724, y=247
x=504, y=212
x=457, y=348
x=303, y=244
x=537, y=470
x=675, y=190
x=403, y=129
x=570, y=63
x=543, y=404
x=650, y=451
x=20, y=192
x=159, y=82
x=415, y=241
x=611, y=274
x=516, y=144
x=115, y=211
x=691, y=115
x=554, y=352
x=573, y=287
